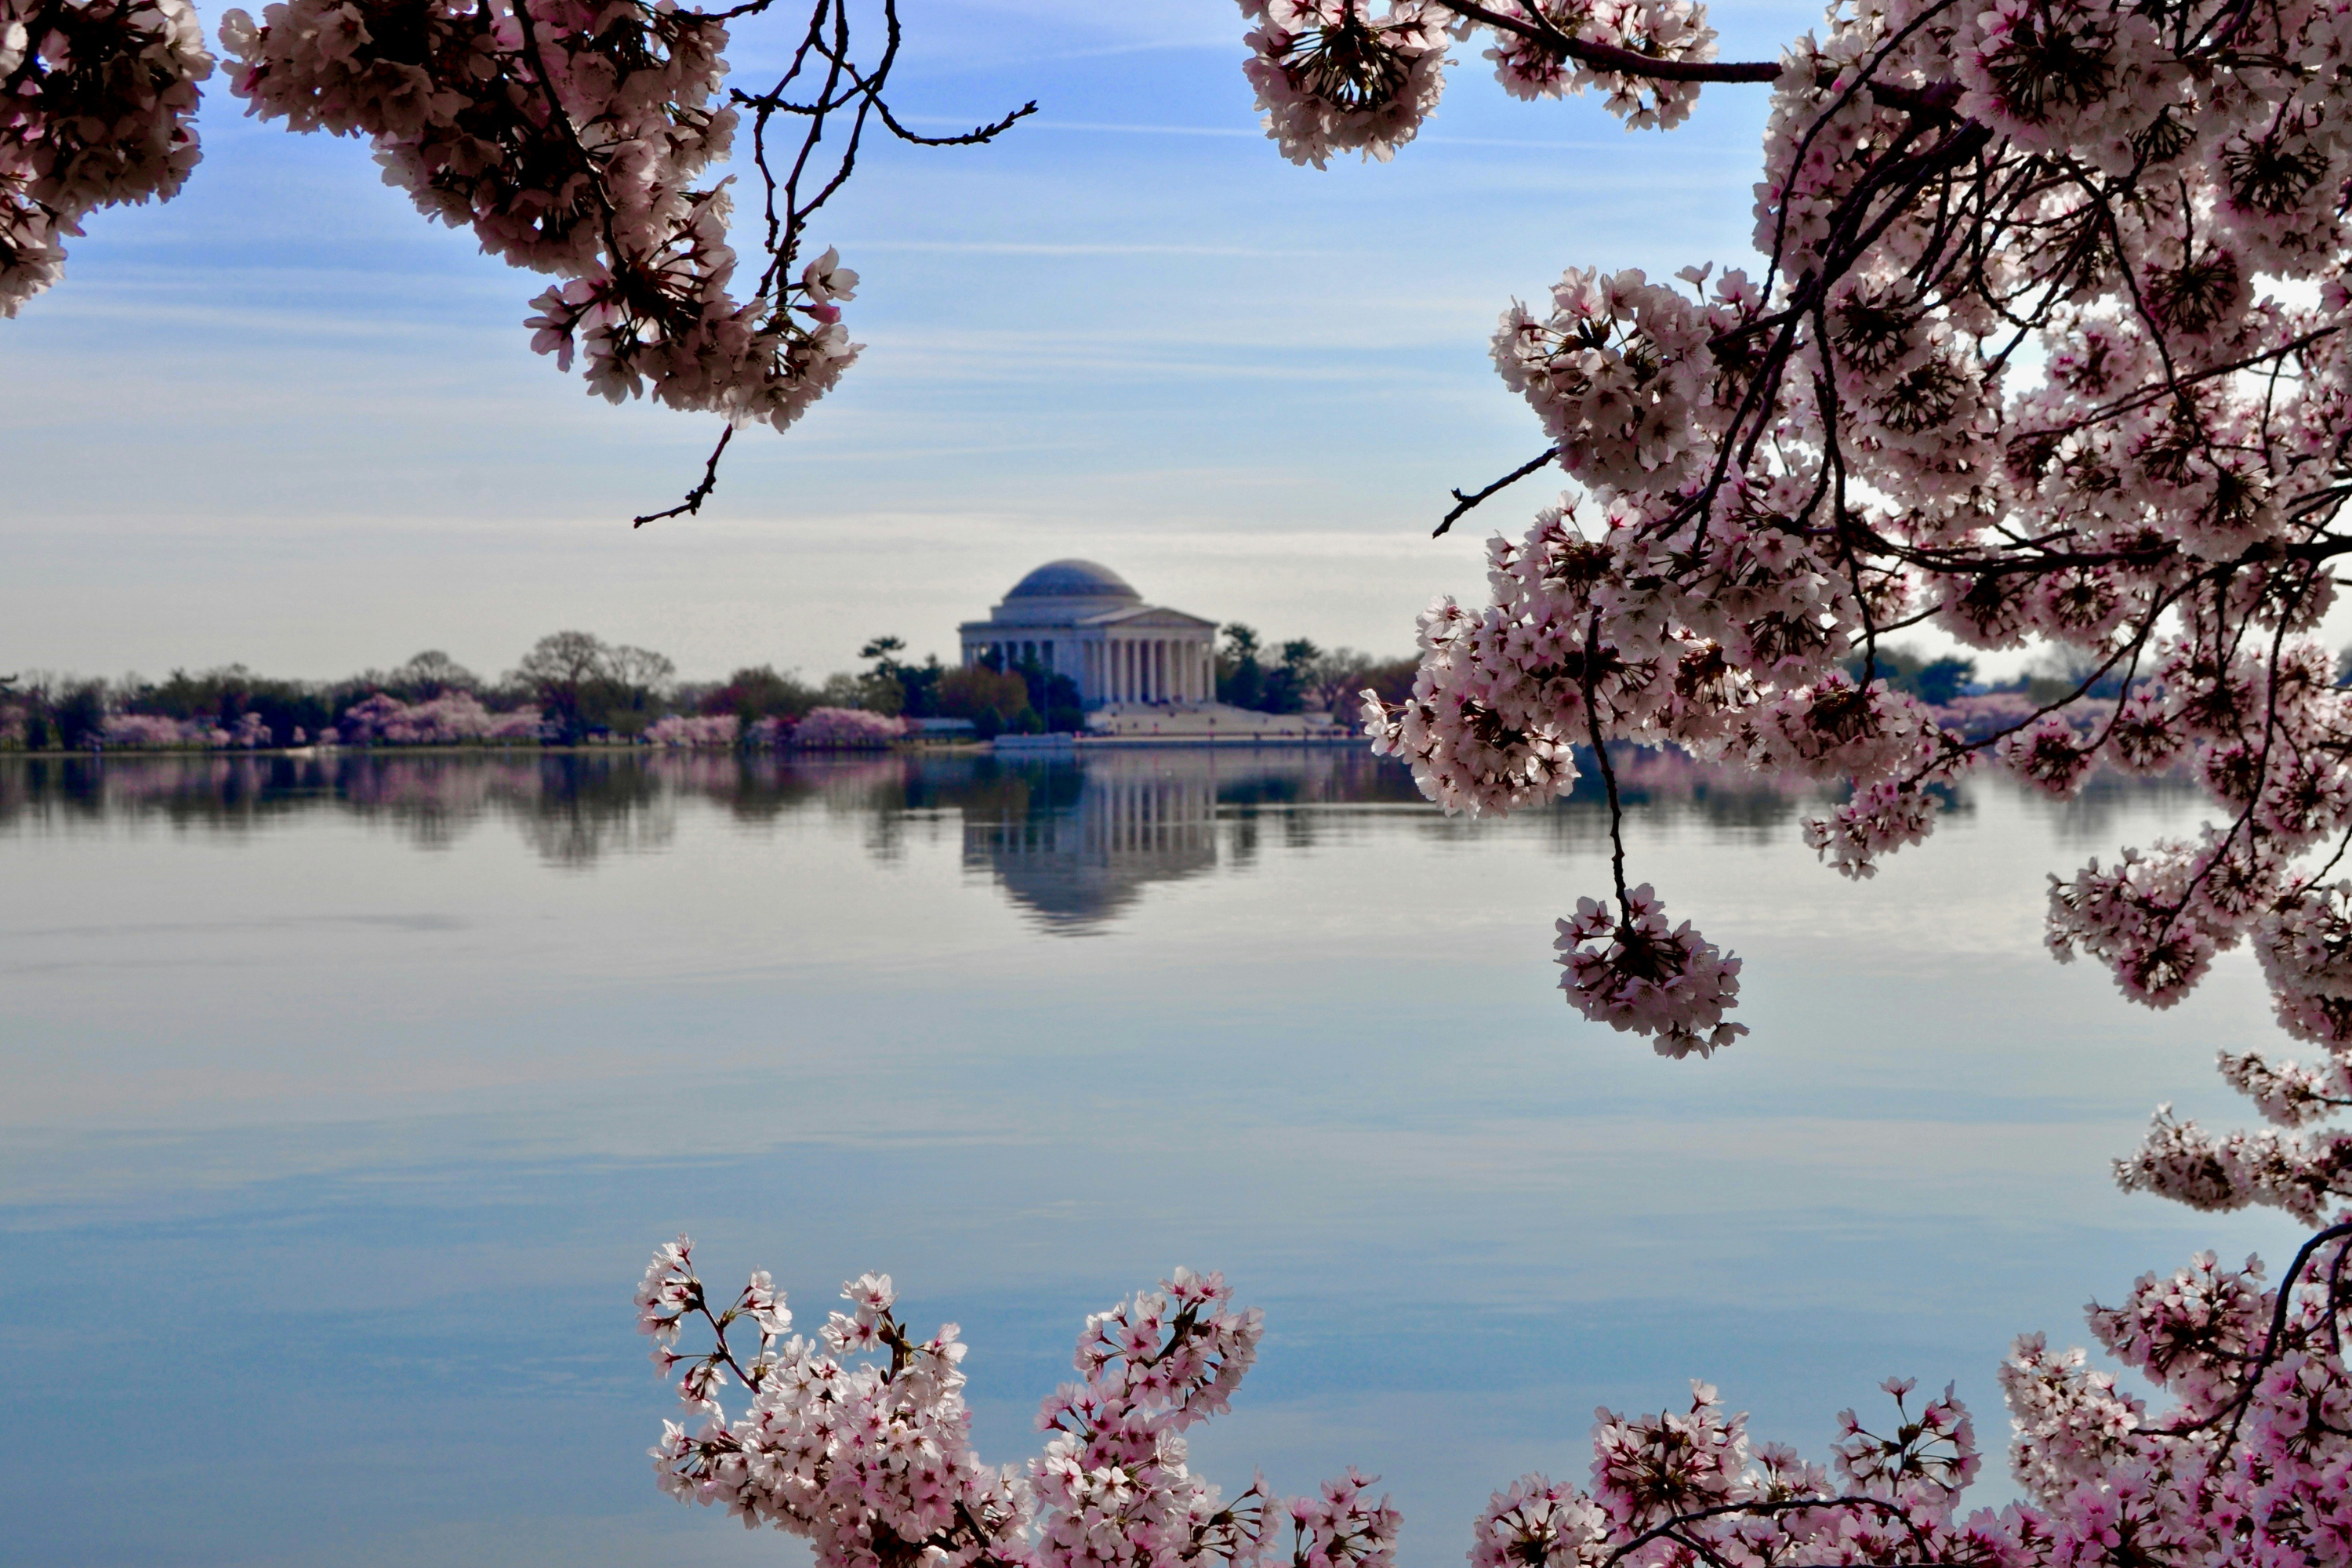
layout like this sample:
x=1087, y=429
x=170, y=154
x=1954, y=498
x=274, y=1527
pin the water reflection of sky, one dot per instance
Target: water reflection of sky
x=344, y=1103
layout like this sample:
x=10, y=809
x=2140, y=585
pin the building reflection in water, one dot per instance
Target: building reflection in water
x=1073, y=841
x=1077, y=846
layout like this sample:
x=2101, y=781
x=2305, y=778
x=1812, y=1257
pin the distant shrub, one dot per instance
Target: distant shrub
x=445, y=721
x=702, y=729
x=153, y=730
x=846, y=727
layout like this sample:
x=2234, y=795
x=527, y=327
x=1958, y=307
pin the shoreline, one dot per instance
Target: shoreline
x=1038, y=745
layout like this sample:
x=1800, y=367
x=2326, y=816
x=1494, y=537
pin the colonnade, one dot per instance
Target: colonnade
x=1010, y=655
x=1149, y=669
x=1114, y=668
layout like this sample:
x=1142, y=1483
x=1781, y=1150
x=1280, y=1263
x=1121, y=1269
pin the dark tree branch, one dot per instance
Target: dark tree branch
x=821, y=84
x=1539, y=28
x=700, y=493
x=1463, y=503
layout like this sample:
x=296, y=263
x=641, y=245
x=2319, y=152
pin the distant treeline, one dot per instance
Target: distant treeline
x=573, y=688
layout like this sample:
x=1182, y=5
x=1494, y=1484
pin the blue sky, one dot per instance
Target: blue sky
x=285, y=420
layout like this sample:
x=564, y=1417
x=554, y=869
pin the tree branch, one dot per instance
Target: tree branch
x=1463, y=503
x=700, y=493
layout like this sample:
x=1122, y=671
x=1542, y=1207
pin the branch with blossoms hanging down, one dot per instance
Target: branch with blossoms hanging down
x=859, y=1440
x=2045, y=348
x=573, y=137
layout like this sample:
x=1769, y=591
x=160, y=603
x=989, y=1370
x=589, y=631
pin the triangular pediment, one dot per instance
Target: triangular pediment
x=1148, y=616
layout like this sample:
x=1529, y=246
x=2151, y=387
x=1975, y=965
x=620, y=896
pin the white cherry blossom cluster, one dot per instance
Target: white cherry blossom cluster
x=1631, y=970
x=1877, y=820
x=872, y=1462
x=1618, y=371
x=1330, y=77
x=571, y=136
x=1334, y=76
x=1113, y=1484
x=97, y=103
x=1531, y=66
x=1467, y=752
x=2300, y=1173
x=2293, y=1162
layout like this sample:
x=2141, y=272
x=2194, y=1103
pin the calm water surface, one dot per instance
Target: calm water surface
x=343, y=1103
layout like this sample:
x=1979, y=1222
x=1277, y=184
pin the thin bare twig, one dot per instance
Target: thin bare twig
x=1463, y=503
x=700, y=493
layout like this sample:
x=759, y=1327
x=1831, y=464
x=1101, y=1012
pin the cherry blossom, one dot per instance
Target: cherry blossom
x=97, y=103
x=449, y=719
x=849, y=728
x=2238, y=1451
x=2045, y=351
x=1630, y=971
x=694, y=729
x=871, y=1460
x=573, y=137
x=1333, y=78
x=154, y=730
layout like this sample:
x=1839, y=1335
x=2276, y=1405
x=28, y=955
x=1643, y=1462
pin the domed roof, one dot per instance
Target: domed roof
x=1073, y=580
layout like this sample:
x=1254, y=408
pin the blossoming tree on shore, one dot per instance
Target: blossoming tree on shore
x=857, y=1439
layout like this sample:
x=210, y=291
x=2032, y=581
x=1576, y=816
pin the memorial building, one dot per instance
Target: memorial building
x=1085, y=621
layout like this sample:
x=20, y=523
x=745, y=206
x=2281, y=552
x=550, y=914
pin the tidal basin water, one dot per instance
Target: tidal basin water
x=340, y=1104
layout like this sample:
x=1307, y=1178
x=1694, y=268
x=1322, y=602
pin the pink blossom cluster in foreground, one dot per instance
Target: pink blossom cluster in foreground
x=97, y=103
x=857, y=1437
x=1339, y=76
x=573, y=137
x=569, y=136
x=2046, y=349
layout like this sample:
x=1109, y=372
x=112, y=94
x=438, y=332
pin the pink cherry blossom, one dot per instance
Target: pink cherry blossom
x=2238, y=1451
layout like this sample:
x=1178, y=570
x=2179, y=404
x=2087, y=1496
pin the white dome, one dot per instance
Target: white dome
x=1074, y=580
